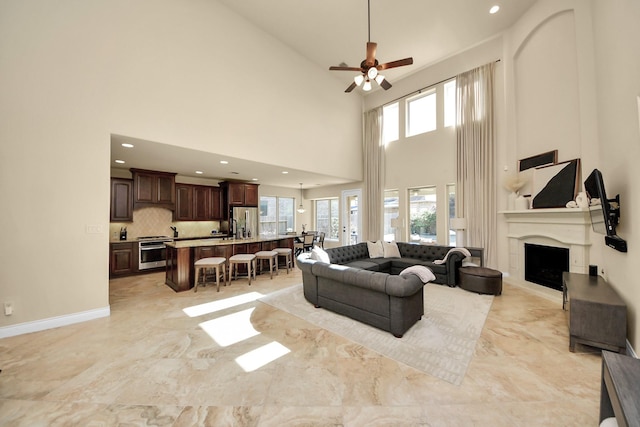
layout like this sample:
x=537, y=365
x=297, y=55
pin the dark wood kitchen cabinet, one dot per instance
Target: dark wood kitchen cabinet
x=240, y=193
x=201, y=203
x=217, y=204
x=152, y=188
x=123, y=259
x=121, y=200
x=197, y=203
x=184, y=203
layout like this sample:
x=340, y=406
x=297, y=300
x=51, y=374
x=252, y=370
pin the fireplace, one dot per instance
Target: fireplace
x=562, y=228
x=544, y=265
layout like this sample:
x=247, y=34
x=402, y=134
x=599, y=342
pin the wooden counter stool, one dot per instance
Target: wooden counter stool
x=286, y=253
x=248, y=259
x=271, y=256
x=216, y=263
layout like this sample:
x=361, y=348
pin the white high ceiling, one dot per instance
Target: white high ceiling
x=331, y=32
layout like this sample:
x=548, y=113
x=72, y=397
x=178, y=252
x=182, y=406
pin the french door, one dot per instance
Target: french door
x=351, y=217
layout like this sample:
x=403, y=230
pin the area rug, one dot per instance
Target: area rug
x=441, y=344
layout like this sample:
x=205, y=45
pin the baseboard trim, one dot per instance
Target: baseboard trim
x=54, y=322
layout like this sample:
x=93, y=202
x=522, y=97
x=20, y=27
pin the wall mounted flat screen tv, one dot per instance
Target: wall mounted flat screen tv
x=605, y=214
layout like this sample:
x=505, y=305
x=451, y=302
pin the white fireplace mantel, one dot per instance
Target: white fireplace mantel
x=559, y=227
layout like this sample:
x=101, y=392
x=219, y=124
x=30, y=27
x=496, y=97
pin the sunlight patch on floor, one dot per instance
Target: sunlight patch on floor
x=214, y=306
x=261, y=356
x=230, y=329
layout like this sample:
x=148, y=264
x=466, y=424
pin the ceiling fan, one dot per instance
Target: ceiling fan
x=369, y=67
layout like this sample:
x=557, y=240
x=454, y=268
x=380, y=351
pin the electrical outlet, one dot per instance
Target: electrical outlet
x=94, y=229
x=8, y=308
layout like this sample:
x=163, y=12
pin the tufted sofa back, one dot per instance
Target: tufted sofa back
x=424, y=252
x=345, y=254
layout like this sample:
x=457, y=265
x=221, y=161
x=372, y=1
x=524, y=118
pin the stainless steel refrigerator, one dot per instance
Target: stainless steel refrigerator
x=244, y=222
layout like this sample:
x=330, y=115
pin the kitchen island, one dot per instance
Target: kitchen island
x=180, y=272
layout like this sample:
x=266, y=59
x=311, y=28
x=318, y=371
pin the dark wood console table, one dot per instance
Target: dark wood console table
x=620, y=389
x=597, y=314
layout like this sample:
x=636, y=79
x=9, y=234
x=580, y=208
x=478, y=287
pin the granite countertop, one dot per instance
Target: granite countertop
x=217, y=241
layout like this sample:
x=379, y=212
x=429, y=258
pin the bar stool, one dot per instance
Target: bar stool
x=216, y=263
x=286, y=253
x=248, y=259
x=271, y=256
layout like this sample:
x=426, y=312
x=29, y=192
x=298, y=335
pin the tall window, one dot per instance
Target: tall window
x=276, y=215
x=328, y=218
x=391, y=212
x=390, y=123
x=450, y=103
x=422, y=214
x=421, y=113
x=451, y=194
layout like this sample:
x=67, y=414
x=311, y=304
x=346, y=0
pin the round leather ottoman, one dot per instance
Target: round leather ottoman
x=481, y=280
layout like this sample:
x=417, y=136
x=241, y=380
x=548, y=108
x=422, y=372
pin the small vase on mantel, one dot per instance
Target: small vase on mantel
x=511, y=200
x=522, y=203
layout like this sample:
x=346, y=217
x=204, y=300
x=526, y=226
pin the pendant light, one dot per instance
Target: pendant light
x=301, y=208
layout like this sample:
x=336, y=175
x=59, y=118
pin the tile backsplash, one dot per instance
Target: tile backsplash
x=156, y=222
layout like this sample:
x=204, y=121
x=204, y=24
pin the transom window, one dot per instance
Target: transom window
x=390, y=123
x=421, y=113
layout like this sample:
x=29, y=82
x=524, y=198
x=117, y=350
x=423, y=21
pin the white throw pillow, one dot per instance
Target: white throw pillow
x=391, y=250
x=424, y=273
x=375, y=249
x=319, y=254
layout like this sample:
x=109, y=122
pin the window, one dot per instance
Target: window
x=451, y=194
x=422, y=214
x=276, y=215
x=421, y=113
x=450, y=103
x=328, y=218
x=391, y=212
x=390, y=123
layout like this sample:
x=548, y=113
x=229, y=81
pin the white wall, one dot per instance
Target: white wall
x=182, y=73
x=617, y=34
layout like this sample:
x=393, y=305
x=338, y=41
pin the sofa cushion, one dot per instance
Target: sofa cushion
x=345, y=254
x=391, y=250
x=400, y=264
x=364, y=264
x=375, y=249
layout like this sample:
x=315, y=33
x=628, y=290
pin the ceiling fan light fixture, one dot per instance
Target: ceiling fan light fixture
x=358, y=79
x=367, y=85
x=372, y=73
x=379, y=79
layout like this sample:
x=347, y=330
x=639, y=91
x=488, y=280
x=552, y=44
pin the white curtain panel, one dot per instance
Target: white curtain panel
x=475, y=134
x=374, y=156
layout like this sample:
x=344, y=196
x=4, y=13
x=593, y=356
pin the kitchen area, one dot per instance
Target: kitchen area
x=159, y=224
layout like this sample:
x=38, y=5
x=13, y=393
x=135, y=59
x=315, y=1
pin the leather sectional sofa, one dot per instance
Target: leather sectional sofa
x=369, y=289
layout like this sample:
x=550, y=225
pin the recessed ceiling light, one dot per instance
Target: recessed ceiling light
x=254, y=179
x=224, y=162
x=494, y=9
x=285, y=172
x=120, y=161
x=199, y=172
x=126, y=145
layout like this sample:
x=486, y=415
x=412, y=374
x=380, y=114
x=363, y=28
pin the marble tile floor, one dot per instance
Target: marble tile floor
x=224, y=359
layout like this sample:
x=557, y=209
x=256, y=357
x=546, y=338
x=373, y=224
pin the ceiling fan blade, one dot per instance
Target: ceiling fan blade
x=393, y=64
x=371, y=54
x=351, y=87
x=385, y=84
x=336, y=68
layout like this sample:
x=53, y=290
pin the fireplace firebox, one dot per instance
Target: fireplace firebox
x=544, y=265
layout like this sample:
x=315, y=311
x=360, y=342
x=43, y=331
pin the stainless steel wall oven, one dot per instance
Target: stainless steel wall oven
x=152, y=252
